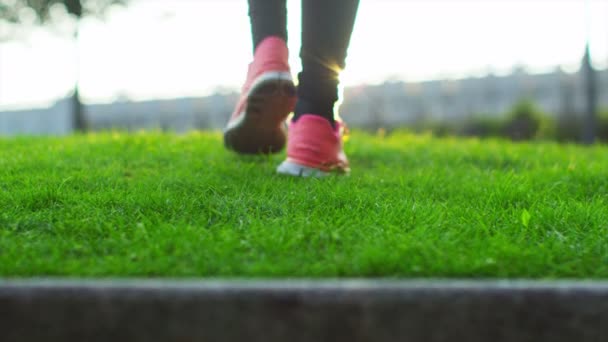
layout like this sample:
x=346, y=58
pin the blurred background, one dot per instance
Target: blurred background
x=535, y=69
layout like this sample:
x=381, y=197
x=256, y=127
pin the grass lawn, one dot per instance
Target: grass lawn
x=154, y=204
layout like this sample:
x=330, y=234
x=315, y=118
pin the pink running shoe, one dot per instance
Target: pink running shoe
x=314, y=148
x=268, y=96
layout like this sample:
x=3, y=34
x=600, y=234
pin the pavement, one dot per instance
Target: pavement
x=302, y=310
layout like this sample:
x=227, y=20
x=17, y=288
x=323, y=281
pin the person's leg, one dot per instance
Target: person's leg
x=268, y=18
x=314, y=146
x=268, y=95
x=326, y=30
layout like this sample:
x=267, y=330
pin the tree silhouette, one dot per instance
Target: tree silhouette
x=12, y=13
x=590, y=78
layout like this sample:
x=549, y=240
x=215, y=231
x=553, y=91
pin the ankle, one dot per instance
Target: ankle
x=304, y=107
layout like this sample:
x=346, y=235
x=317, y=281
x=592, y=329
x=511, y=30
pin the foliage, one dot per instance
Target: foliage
x=568, y=128
x=482, y=125
x=525, y=121
x=602, y=125
x=12, y=10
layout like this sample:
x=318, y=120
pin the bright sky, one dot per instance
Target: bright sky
x=175, y=48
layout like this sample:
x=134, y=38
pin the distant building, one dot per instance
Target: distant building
x=385, y=105
x=402, y=103
x=54, y=120
x=177, y=115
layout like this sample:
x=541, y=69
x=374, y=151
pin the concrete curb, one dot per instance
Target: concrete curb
x=324, y=310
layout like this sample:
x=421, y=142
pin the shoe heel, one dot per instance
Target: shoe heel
x=262, y=128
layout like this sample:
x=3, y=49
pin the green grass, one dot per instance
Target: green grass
x=153, y=204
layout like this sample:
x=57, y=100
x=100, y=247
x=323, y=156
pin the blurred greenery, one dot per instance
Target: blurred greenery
x=523, y=121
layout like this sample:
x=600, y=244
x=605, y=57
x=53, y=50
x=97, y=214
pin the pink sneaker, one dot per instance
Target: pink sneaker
x=268, y=96
x=314, y=148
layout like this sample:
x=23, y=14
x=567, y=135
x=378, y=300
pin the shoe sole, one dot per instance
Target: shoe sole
x=261, y=129
x=291, y=168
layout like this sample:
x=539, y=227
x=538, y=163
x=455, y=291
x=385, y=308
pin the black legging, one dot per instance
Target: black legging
x=327, y=26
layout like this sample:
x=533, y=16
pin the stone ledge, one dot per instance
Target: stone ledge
x=324, y=310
